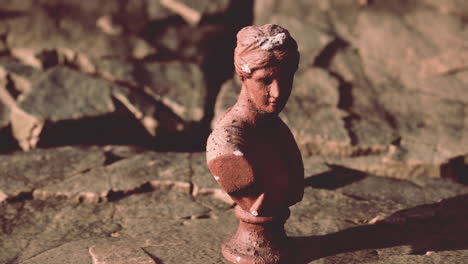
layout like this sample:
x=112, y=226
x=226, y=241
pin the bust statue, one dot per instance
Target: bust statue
x=251, y=152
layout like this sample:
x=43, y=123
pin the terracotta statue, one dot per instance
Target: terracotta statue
x=252, y=153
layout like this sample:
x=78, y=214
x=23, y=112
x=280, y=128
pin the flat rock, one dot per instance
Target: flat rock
x=118, y=253
x=127, y=223
x=59, y=94
x=25, y=171
x=41, y=226
x=141, y=172
x=78, y=251
x=71, y=94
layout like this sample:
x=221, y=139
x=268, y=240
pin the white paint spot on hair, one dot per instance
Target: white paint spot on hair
x=254, y=213
x=268, y=43
x=246, y=68
x=216, y=177
x=238, y=259
x=238, y=153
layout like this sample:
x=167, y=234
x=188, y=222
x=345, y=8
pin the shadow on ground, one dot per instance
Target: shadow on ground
x=433, y=227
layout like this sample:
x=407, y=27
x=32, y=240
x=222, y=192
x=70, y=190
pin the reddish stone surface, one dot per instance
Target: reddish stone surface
x=252, y=153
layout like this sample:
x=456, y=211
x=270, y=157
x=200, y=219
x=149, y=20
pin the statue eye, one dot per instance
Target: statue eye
x=266, y=80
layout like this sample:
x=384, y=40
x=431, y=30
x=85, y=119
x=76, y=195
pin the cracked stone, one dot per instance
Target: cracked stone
x=200, y=243
x=24, y=171
x=158, y=205
x=34, y=227
x=49, y=228
x=146, y=170
x=75, y=250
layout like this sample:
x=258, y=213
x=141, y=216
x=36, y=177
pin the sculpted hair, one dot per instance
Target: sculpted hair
x=263, y=46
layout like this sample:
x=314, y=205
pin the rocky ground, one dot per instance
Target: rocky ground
x=105, y=107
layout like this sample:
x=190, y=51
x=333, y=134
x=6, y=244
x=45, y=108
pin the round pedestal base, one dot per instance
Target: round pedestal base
x=258, y=240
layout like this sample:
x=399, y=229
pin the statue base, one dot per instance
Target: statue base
x=259, y=240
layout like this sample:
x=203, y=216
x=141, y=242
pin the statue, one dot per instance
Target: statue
x=251, y=152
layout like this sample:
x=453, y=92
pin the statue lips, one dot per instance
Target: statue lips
x=275, y=104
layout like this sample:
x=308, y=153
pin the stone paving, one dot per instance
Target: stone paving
x=74, y=205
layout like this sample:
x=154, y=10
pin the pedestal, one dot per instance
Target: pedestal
x=259, y=240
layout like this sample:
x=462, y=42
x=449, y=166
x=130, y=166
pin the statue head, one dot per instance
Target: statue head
x=265, y=59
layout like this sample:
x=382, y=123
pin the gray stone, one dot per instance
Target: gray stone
x=315, y=95
x=77, y=30
x=75, y=250
x=159, y=205
x=388, y=94
x=26, y=171
x=199, y=244
x=43, y=227
x=71, y=94
x=118, y=253
x=184, y=96
x=40, y=226
x=140, y=172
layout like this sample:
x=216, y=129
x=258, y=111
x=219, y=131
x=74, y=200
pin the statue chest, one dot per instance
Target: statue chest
x=272, y=161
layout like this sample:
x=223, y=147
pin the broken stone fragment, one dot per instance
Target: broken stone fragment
x=119, y=253
x=24, y=126
x=60, y=94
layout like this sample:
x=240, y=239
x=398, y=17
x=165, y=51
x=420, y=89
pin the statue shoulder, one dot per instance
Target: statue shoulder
x=226, y=159
x=227, y=138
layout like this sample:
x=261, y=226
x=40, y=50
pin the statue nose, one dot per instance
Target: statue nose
x=274, y=89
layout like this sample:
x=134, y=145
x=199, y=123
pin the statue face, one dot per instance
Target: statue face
x=268, y=89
